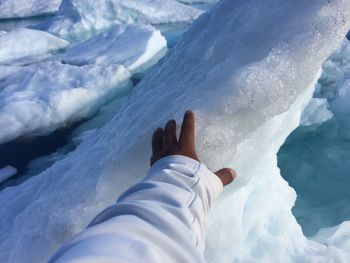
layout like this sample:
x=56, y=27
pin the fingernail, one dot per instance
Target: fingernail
x=233, y=173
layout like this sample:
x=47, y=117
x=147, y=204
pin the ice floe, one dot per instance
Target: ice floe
x=42, y=97
x=136, y=47
x=27, y=8
x=26, y=45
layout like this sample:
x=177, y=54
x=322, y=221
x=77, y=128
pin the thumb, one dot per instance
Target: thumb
x=226, y=175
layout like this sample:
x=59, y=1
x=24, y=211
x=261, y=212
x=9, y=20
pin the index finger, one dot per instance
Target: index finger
x=187, y=134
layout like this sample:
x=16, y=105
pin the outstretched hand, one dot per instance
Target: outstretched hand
x=165, y=143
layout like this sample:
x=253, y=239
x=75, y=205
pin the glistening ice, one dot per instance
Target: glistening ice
x=247, y=100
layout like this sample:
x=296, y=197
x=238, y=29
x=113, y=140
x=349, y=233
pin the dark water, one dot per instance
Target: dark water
x=20, y=153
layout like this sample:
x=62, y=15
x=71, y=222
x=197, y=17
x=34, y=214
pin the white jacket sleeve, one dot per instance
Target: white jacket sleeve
x=160, y=219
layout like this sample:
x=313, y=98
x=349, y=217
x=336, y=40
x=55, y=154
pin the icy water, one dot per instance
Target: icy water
x=315, y=161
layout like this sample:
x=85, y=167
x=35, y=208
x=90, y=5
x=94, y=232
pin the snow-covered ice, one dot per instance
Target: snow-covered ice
x=82, y=18
x=42, y=97
x=136, y=47
x=25, y=45
x=7, y=172
x=27, y=8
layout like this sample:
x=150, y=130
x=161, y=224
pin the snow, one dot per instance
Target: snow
x=7, y=172
x=24, y=44
x=247, y=101
x=42, y=97
x=81, y=18
x=27, y=8
x=136, y=47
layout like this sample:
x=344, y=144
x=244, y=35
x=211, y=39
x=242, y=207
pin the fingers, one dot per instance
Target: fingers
x=226, y=175
x=157, y=141
x=187, y=134
x=169, y=138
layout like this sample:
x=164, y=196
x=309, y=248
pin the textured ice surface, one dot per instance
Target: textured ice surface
x=79, y=18
x=247, y=101
x=6, y=172
x=134, y=46
x=39, y=98
x=25, y=45
x=316, y=112
x=27, y=8
x=197, y=1
x=315, y=159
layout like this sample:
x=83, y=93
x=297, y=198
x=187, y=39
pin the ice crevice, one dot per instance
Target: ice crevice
x=247, y=102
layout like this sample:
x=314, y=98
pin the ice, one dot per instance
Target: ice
x=40, y=98
x=27, y=8
x=315, y=158
x=136, y=47
x=79, y=19
x=7, y=172
x=248, y=69
x=25, y=45
x=316, y=112
x=198, y=1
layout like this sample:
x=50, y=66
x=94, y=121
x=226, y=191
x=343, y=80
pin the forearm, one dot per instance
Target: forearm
x=161, y=219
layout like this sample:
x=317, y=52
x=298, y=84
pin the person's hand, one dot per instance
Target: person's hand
x=165, y=143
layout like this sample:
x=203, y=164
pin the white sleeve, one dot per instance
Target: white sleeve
x=160, y=219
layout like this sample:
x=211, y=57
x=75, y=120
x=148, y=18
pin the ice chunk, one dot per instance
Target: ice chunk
x=7, y=172
x=27, y=8
x=316, y=112
x=134, y=46
x=24, y=44
x=248, y=69
x=80, y=18
x=40, y=98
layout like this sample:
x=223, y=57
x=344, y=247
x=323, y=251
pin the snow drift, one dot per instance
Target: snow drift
x=247, y=68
